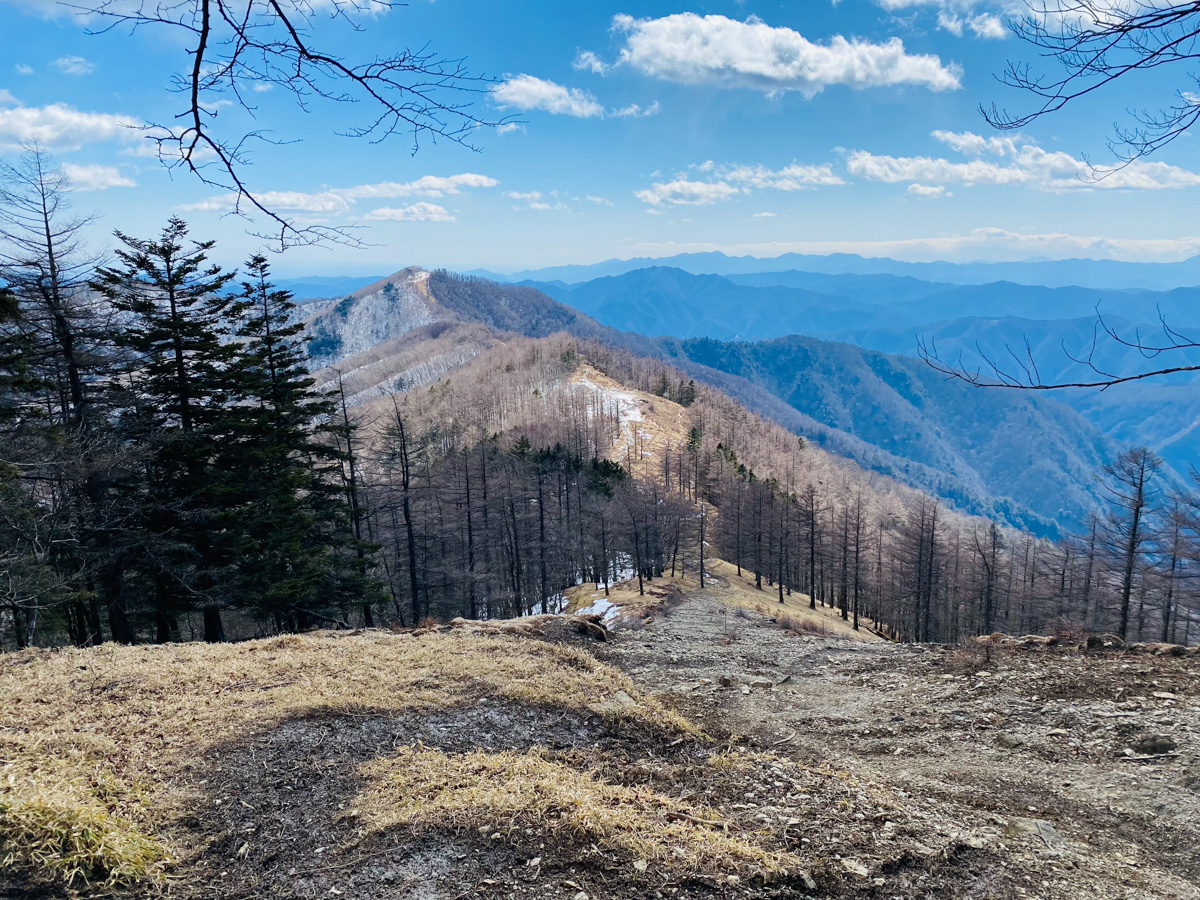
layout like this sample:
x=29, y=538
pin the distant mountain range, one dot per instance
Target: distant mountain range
x=1025, y=460
x=1016, y=327
x=1089, y=273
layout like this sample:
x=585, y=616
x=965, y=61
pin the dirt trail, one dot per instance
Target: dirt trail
x=1022, y=755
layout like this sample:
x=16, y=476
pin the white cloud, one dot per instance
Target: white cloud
x=681, y=191
x=1025, y=164
x=340, y=200
x=262, y=87
x=509, y=127
x=988, y=26
x=73, y=65
x=976, y=144
x=633, y=111
x=763, y=215
x=525, y=92
x=726, y=180
x=790, y=178
x=981, y=244
x=587, y=61
x=95, y=177
x=7, y=99
x=418, y=212
x=425, y=186
x=599, y=201
x=517, y=195
x=927, y=190
x=691, y=49
x=23, y=69
x=61, y=127
x=293, y=201
x=956, y=16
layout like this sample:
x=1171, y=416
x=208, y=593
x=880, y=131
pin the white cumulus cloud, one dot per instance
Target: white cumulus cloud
x=95, y=177
x=425, y=186
x=341, y=200
x=634, y=111
x=960, y=16
x=61, y=127
x=74, y=65
x=23, y=69
x=927, y=190
x=790, y=178
x=682, y=192
x=418, y=212
x=525, y=92
x=587, y=61
x=1016, y=163
x=691, y=49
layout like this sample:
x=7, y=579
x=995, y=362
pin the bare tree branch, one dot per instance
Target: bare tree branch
x=1022, y=371
x=246, y=46
x=1098, y=42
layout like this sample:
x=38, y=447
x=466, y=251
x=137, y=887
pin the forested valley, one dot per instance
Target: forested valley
x=171, y=471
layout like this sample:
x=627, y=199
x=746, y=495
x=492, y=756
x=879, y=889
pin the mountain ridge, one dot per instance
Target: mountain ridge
x=450, y=306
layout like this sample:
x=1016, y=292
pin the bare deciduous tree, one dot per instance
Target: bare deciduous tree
x=239, y=50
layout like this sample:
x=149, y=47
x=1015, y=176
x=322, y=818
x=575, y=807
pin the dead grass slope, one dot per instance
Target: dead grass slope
x=625, y=605
x=100, y=747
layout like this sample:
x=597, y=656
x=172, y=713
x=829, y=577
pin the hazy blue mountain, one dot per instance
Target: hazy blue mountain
x=664, y=301
x=984, y=443
x=885, y=289
x=690, y=305
x=1107, y=274
x=1059, y=347
x=1162, y=415
x=322, y=286
x=1025, y=460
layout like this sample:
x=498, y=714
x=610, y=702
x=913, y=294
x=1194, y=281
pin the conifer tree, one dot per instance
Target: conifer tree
x=177, y=332
x=279, y=517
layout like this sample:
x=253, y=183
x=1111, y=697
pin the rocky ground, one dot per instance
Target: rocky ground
x=1070, y=773
x=875, y=770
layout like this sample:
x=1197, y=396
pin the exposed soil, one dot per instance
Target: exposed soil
x=1074, y=773
x=891, y=771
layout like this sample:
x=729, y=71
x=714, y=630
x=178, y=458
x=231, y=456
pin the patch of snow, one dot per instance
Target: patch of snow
x=603, y=608
x=629, y=411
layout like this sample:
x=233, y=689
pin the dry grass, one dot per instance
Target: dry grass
x=514, y=793
x=98, y=744
x=640, y=444
x=739, y=591
x=723, y=583
x=71, y=821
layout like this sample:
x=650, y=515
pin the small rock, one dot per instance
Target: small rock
x=624, y=699
x=535, y=862
x=854, y=867
x=809, y=884
x=1008, y=741
x=641, y=865
x=582, y=895
x=1164, y=695
x=1154, y=745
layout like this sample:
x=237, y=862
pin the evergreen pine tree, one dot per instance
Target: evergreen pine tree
x=181, y=354
x=295, y=553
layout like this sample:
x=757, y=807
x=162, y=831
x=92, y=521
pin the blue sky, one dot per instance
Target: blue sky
x=635, y=129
